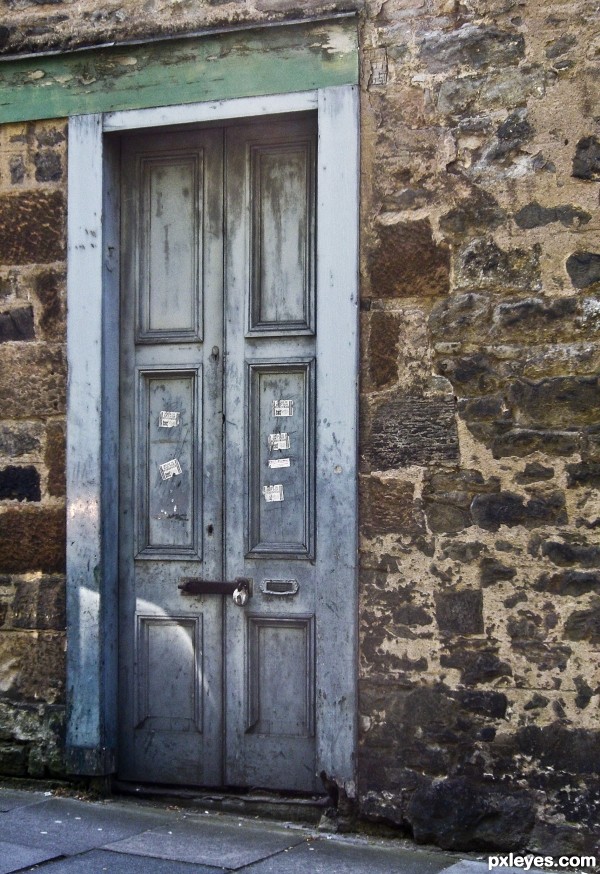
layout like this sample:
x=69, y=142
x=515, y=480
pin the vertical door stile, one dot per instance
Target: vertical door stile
x=171, y=456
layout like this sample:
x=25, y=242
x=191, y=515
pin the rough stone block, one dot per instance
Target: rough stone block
x=586, y=163
x=460, y=612
x=32, y=381
x=17, y=325
x=50, y=291
x=48, y=166
x=535, y=216
x=383, y=348
x=457, y=814
x=387, y=507
x=480, y=664
x=492, y=571
x=38, y=604
x=448, y=496
x=32, y=540
x=552, y=403
x=32, y=666
x=471, y=46
x=55, y=458
x=19, y=484
x=575, y=751
x=508, y=508
x=586, y=473
x=410, y=431
x=584, y=625
x=534, y=472
x=406, y=262
x=584, y=269
x=479, y=210
x=569, y=583
x=569, y=554
x=32, y=227
x=483, y=264
x=520, y=442
x=460, y=318
x=13, y=760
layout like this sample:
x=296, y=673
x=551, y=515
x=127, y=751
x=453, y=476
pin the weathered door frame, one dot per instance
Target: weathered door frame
x=92, y=417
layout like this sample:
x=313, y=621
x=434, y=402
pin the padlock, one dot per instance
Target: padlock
x=240, y=595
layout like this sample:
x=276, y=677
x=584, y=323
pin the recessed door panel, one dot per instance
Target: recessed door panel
x=169, y=226
x=170, y=437
x=283, y=236
x=280, y=679
x=280, y=460
x=169, y=696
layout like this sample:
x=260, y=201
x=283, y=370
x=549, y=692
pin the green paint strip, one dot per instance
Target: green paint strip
x=241, y=64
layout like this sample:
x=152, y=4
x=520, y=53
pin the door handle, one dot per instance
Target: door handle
x=240, y=588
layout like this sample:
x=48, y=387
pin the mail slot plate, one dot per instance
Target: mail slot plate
x=279, y=587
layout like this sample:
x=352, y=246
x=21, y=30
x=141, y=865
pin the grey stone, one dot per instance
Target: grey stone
x=460, y=612
x=507, y=508
x=331, y=857
x=16, y=857
x=535, y=216
x=583, y=269
x=66, y=826
x=413, y=430
x=472, y=46
x=20, y=439
x=17, y=325
x=483, y=264
x=586, y=163
x=203, y=841
x=108, y=862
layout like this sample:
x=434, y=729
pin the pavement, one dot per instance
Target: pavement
x=61, y=834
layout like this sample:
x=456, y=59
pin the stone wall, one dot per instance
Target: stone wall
x=32, y=447
x=480, y=423
x=480, y=583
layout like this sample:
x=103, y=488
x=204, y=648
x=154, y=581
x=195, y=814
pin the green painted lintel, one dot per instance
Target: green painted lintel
x=218, y=67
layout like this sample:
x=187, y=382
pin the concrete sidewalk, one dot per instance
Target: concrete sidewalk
x=122, y=835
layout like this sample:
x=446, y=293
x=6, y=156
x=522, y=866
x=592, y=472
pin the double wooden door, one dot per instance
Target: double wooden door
x=218, y=445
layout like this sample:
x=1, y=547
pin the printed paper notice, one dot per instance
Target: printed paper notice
x=279, y=441
x=168, y=419
x=273, y=493
x=170, y=468
x=283, y=408
x=279, y=462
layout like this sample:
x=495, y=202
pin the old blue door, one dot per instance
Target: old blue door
x=219, y=432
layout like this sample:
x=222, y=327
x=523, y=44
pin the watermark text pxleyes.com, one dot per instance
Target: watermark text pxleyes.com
x=531, y=861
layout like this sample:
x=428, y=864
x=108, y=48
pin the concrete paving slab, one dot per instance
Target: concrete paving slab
x=67, y=826
x=15, y=857
x=11, y=798
x=322, y=856
x=106, y=862
x=207, y=841
x=472, y=866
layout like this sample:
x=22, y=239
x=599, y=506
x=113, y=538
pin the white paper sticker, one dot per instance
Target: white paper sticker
x=279, y=441
x=273, y=493
x=283, y=408
x=168, y=419
x=279, y=462
x=169, y=469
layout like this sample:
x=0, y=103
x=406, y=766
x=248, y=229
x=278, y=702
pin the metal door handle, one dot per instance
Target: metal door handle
x=240, y=588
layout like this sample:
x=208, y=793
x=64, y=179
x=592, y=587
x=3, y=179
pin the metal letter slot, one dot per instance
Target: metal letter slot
x=240, y=588
x=279, y=587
